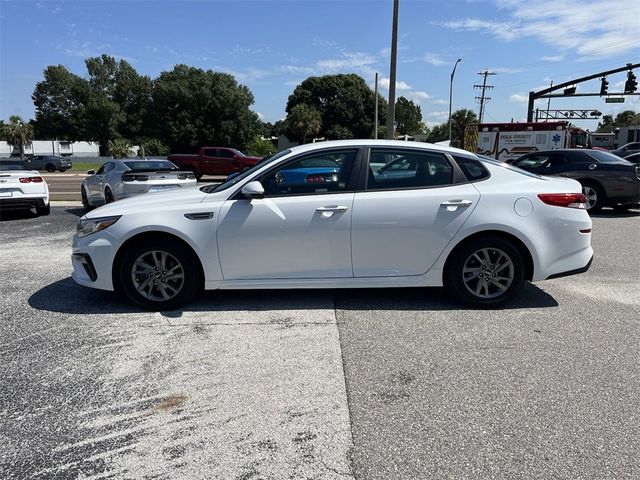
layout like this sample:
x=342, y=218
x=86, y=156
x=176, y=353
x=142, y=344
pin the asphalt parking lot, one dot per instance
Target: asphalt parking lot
x=366, y=384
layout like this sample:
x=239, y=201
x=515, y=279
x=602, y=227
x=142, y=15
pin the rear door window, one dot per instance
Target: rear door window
x=408, y=169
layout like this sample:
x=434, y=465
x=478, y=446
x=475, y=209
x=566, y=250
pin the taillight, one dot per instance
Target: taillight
x=36, y=179
x=131, y=178
x=316, y=179
x=31, y=179
x=569, y=200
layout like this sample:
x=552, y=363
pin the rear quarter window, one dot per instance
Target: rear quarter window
x=472, y=168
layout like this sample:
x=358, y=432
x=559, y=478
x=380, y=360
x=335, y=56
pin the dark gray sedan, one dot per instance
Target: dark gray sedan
x=626, y=150
x=607, y=180
x=50, y=163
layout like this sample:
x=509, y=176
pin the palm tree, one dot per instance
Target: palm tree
x=303, y=121
x=459, y=121
x=17, y=132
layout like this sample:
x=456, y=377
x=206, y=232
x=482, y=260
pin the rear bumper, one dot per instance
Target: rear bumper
x=572, y=272
x=21, y=203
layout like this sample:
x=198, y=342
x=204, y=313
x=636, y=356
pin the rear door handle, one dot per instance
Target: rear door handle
x=337, y=208
x=456, y=203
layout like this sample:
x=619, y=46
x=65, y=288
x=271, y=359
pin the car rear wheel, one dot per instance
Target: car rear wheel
x=108, y=196
x=85, y=200
x=41, y=211
x=485, y=273
x=595, y=197
x=161, y=276
x=51, y=167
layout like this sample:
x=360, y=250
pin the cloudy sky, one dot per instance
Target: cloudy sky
x=272, y=45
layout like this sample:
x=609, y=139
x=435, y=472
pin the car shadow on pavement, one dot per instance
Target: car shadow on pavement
x=430, y=299
x=65, y=296
x=610, y=213
x=8, y=215
x=78, y=212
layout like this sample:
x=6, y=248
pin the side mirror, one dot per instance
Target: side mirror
x=253, y=190
x=91, y=172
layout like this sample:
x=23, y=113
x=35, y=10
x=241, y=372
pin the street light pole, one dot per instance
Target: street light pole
x=451, y=95
x=392, y=72
x=375, y=121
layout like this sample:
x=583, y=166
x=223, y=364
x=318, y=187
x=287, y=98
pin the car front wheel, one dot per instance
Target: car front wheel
x=485, y=273
x=161, y=276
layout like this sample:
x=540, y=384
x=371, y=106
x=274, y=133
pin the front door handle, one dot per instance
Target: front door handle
x=456, y=203
x=337, y=208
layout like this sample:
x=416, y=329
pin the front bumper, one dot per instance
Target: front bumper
x=92, y=260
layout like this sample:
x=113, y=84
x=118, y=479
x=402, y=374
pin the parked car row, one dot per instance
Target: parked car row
x=342, y=214
x=606, y=179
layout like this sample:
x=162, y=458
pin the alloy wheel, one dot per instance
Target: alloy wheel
x=157, y=275
x=592, y=196
x=488, y=273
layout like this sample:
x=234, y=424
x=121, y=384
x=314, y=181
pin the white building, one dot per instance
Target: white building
x=62, y=148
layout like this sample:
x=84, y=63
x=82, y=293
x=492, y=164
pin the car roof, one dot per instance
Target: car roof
x=309, y=147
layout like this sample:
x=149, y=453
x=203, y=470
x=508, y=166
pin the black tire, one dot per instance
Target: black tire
x=108, y=196
x=41, y=211
x=51, y=167
x=594, y=193
x=85, y=200
x=622, y=208
x=460, y=284
x=191, y=282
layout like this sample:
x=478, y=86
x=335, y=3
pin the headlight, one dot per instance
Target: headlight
x=87, y=226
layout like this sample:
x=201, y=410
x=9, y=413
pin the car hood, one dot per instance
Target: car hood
x=149, y=202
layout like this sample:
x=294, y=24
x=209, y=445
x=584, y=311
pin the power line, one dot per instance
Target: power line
x=483, y=99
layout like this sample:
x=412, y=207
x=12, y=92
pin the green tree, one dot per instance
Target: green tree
x=17, y=132
x=607, y=125
x=59, y=101
x=627, y=118
x=192, y=107
x=132, y=93
x=260, y=147
x=303, y=121
x=345, y=102
x=460, y=119
x=408, y=117
x=439, y=133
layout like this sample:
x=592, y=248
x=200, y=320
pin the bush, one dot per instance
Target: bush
x=260, y=147
x=120, y=148
x=154, y=147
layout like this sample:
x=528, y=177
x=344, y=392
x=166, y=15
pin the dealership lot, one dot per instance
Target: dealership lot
x=318, y=384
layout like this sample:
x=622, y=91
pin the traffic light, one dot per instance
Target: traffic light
x=631, y=84
x=604, y=86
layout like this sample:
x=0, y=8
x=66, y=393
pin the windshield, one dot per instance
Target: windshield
x=238, y=152
x=6, y=166
x=606, y=157
x=243, y=175
x=150, y=165
x=497, y=163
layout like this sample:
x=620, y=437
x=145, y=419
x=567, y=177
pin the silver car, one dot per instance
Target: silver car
x=118, y=179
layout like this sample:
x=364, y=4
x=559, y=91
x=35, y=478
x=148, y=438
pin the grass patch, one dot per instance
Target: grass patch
x=84, y=167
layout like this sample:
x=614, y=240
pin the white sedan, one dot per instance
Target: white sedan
x=22, y=189
x=476, y=226
x=118, y=179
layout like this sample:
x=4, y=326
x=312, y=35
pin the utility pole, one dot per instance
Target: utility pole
x=392, y=72
x=483, y=97
x=375, y=122
x=549, y=101
x=451, y=95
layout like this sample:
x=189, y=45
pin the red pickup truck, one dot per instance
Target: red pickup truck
x=214, y=161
